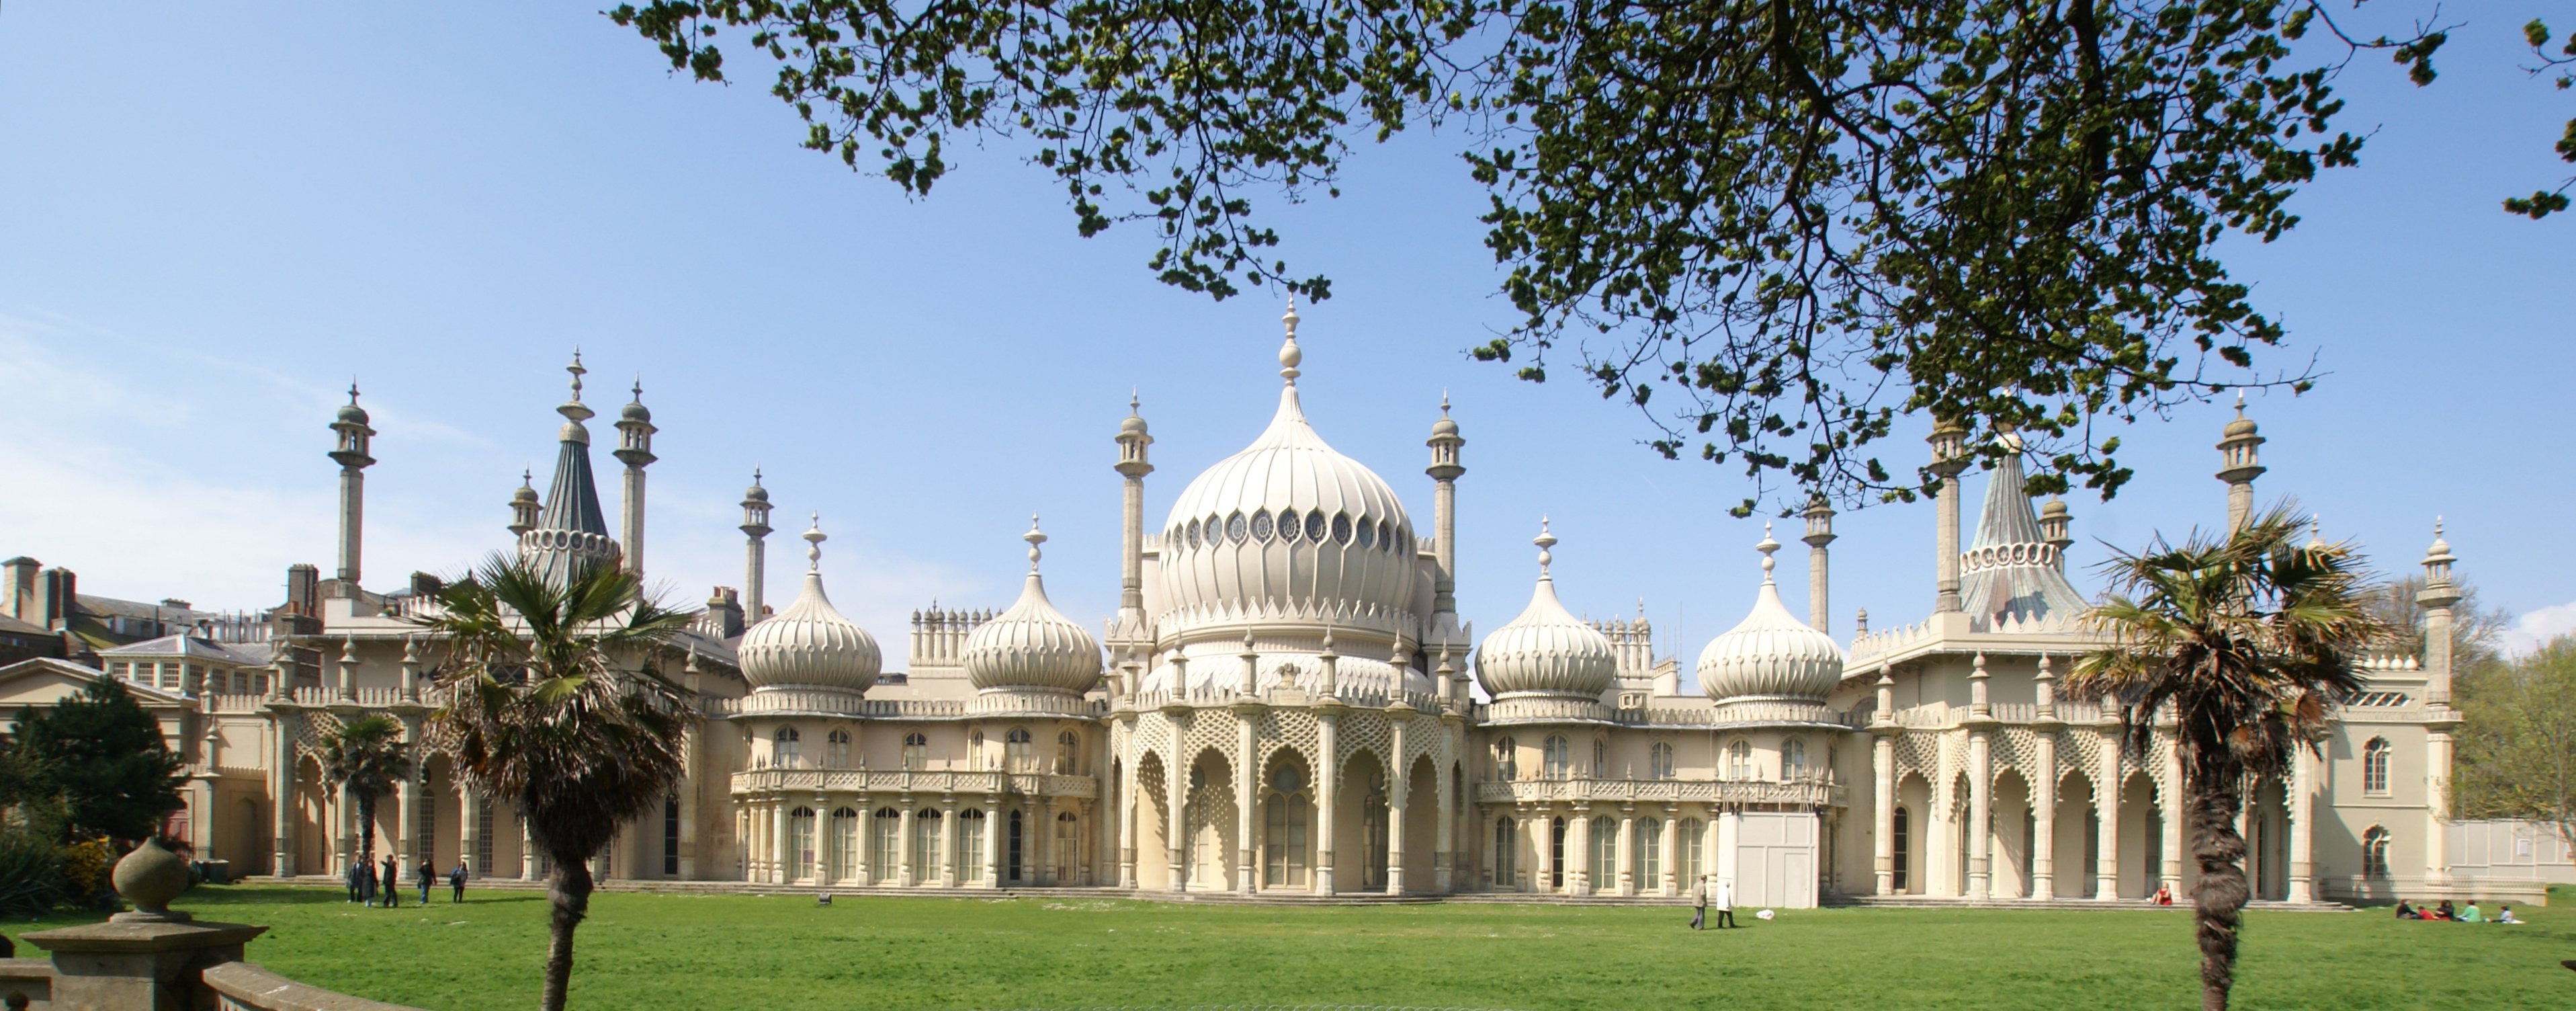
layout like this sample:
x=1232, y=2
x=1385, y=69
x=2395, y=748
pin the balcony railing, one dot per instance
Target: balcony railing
x=915, y=782
x=1808, y=792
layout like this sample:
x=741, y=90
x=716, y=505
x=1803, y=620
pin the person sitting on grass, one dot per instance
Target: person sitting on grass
x=2471, y=914
x=2505, y=915
x=2446, y=912
x=2404, y=911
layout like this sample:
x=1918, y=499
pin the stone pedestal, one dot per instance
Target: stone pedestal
x=136, y=962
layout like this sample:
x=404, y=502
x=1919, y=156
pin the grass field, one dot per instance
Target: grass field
x=776, y=953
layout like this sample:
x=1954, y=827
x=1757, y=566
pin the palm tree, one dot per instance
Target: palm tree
x=542, y=714
x=366, y=757
x=2246, y=640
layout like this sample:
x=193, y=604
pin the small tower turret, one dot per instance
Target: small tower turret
x=1445, y=470
x=1130, y=632
x=2053, y=521
x=2239, y=464
x=755, y=526
x=524, y=505
x=2437, y=597
x=1820, y=532
x=350, y=452
x=1949, y=441
x=635, y=450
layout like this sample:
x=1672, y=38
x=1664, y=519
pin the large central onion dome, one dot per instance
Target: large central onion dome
x=1032, y=648
x=1771, y=665
x=1289, y=530
x=1546, y=663
x=810, y=645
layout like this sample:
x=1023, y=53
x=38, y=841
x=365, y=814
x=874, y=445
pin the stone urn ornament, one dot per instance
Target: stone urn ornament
x=150, y=877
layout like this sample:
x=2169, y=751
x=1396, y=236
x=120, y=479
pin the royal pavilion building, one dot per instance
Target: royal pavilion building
x=1288, y=703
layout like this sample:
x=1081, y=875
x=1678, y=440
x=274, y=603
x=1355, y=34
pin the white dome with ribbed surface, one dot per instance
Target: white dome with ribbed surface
x=1288, y=529
x=1770, y=655
x=1546, y=651
x=810, y=645
x=1032, y=647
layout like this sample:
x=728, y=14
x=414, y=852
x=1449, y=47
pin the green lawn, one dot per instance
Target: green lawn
x=772, y=953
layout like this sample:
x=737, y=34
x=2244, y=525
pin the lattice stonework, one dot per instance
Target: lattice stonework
x=2081, y=750
x=1366, y=731
x=2017, y=748
x=1153, y=736
x=311, y=729
x=1210, y=730
x=1916, y=752
x=1294, y=731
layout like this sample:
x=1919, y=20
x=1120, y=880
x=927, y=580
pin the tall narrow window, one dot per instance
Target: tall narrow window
x=784, y=746
x=1659, y=761
x=2374, y=854
x=1506, y=760
x=916, y=751
x=885, y=848
x=1600, y=758
x=800, y=843
x=1015, y=751
x=926, y=854
x=483, y=838
x=836, y=750
x=1793, y=759
x=975, y=751
x=1018, y=841
x=1555, y=756
x=1904, y=846
x=1556, y=853
x=2374, y=766
x=671, y=837
x=1650, y=853
x=1067, y=749
x=845, y=844
x=1068, y=846
x=1690, y=843
x=1739, y=760
x=970, y=845
x=1604, y=854
x=1284, y=851
x=1504, y=844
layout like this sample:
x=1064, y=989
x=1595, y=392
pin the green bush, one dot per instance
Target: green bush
x=32, y=878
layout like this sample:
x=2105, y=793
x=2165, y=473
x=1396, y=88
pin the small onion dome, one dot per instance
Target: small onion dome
x=1546, y=650
x=1032, y=647
x=755, y=493
x=527, y=492
x=1770, y=654
x=2242, y=425
x=350, y=412
x=2054, y=510
x=1134, y=425
x=810, y=644
x=634, y=411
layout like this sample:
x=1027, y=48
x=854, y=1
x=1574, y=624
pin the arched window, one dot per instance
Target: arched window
x=1068, y=748
x=1261, y=526
x=1904, y=844
x=1689, y=846
x=1650, y=854
x=2374, y=853
x=970, y=845
x=1507, y=764
x=1342, y=530
x=1600, y=758
x=1739, y=759
x=2374, y=766
x=1503, y=847
x=783, y=755
x=885, y=845
x=1068, y=847
x=1659, y=761
x=1603, y=855
x=1289, y=529
x=916, y=751
x=1367, y=534
x=845, y=845
x=836, y=750
x=975, y=751
x=1284, y=842
x=1793, y=759
x=925, y=845
x=1555, y=756
x=1237, y=528
x=800, y=843
x=1015, y=750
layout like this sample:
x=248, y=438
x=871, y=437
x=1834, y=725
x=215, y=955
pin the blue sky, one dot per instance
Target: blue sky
x=211, y=217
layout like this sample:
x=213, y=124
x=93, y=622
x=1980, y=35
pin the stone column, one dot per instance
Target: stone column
x=1981, y=808
x=1328, y=789
x=1578, y=854
x=1127, y=804
x=864, y=847
x=992, y=842
x=285, y=799
x=1882, y=859
x=1949, y=458
x=1668, y=842
x=1399, y=789
x=948, y=842
x=1444, y=848
x=781, y=860
x=826, y=841
x=1044, y=872
x=2172, y=807
x=2043, y=855
x=1711, y=838
x=1176, y=834
x=908, y=870
x=2437, y=796
x=469, y=831
x=688, y=788
x=2106, y=809
x=2302, y=836
x=527, y=850
x=1247, y=778
x=1542, y=825
x=1627, y=862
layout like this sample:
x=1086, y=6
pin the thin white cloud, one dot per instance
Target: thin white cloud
x=2537, y=627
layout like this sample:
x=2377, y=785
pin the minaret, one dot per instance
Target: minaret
x=1949, y=441
x=2053, y=521
x=1820, y=532
x=2238, y=465
x=524, y=505
x=755, y=525
x=635, y=450
x=351, y=455
x=1444, y=471
x=2437, y=597
x=1128, y=634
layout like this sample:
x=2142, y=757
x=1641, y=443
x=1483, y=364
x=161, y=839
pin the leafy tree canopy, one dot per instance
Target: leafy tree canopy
x=94, y=764
x=2518, y=740
x=1773, y=226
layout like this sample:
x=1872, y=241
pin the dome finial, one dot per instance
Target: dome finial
x=1132, y=401
x=814, y=536
x=639, y=387
x=1766, y=548
x=574, y=409
x=1289, y=356
x=2317, y=530
x=1444, y=403
x=353, y=389
x=1544, y=540
x=1035, y=538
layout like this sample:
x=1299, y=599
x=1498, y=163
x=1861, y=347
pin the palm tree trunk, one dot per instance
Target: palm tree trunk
x=568, y=889
x=2216, y=794
x=366, y=855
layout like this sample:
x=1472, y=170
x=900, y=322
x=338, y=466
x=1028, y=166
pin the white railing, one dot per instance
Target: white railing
x=1810, y=791
x=925, y=781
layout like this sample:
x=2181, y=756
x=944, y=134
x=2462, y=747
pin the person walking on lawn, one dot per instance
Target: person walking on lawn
x=1725, y=904
x=456, y=881
x=1699, y=904
x=428, y=877
x=392, y=882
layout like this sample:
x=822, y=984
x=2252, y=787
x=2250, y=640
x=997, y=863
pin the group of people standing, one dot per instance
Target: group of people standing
x=368, y=883
x=1702, y=898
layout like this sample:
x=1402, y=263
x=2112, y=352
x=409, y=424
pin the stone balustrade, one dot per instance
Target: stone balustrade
x=916, y=782
x=241, y=986
x=1796, y=792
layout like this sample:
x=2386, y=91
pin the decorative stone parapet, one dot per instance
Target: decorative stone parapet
x=920, y=782
x=241, y=986
x=1799, y=793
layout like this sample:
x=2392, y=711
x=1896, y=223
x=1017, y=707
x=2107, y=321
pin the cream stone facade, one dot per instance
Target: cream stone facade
x=1286, y=702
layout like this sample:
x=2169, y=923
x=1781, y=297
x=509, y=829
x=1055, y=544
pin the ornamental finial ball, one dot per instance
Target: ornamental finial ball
x=150, y=877
x=814, y=536
x=1545, y=541
x=1035, y=538
x=1766, y=548
x=1289, y=356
